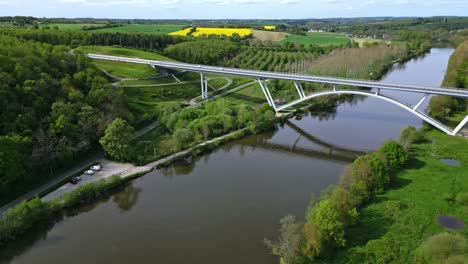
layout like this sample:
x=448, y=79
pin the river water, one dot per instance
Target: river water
x=219, y=207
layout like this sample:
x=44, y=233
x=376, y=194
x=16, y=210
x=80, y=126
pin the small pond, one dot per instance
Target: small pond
x=451, y=162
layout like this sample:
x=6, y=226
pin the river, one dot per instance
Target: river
x=219, y=207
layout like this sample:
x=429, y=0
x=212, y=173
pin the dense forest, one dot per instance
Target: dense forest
x=54, y=106
x=75, y=38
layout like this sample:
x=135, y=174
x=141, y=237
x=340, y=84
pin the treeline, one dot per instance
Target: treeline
x=442, y=107
x=54, y=106
x=101, y=26
x=76, y=38
x=328, y=218
x=204, y=51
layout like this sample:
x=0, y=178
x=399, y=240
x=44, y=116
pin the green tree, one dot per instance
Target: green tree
x=116, y=141
x=290, y=240
x=14, y=151
x=330, y=221
x=395, y=153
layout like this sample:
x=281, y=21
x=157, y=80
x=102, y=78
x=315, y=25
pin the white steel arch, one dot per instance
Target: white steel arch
x=408, y=108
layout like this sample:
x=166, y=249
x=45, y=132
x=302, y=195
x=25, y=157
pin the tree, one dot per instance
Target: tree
x=116, y=141
x=14, y=151
x=441, y=248
x=330, y=221
x=290, y=240
x=408, y=136
x=442, y=106
x=395, y=153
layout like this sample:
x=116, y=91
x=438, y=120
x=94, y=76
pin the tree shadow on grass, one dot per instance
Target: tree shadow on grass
x=244, y=97
x=371, y=225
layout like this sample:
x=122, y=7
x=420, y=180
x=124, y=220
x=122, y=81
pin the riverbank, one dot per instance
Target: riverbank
x=396, y=223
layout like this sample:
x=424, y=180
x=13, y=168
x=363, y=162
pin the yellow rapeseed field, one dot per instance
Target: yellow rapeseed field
x=269, y=27
x=182, y=32
x=214, y=31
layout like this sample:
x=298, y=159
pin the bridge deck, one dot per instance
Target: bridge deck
x=286, y=76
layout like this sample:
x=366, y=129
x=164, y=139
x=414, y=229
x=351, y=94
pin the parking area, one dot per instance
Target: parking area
x=109, y=168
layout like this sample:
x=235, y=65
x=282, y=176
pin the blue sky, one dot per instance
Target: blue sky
x=215, y=9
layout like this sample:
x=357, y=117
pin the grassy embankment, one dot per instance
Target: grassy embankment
x=395, y=224
x=318, y=38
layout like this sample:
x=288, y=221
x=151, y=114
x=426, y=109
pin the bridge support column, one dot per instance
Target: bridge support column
x=377, y=92
x=204, y=86
x=267, y=93
x=420, y=102
x=299, y=89
x=334, y=88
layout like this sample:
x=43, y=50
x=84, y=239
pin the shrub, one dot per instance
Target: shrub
x=462, y=198
x=21, y=218
x=442, y=106
x=408, y=136
x=441, y=248
x=370, y=170
x=395, y=154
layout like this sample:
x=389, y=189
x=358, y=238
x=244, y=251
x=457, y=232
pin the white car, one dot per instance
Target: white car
x=89, y=172
x=96, y=167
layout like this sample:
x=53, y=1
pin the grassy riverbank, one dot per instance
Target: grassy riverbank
x=395, y=224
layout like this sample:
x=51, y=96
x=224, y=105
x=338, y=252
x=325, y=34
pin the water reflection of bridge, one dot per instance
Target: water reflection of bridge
x=323, y=150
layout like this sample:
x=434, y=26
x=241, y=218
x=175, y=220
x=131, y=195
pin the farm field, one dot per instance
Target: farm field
x=363, y=41
x=268, y=60
x=142, y=28
x=201, y=31
x=269, y=35
x=318, y=38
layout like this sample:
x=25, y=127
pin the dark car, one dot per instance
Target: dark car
x=75, y=180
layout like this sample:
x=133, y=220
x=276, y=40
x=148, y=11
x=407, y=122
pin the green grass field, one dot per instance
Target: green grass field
x=123, y=52
x=393, y=226
x=126, y=70
x=123, y=69
x=250, y=95
x=318, y=38
x=142, y=28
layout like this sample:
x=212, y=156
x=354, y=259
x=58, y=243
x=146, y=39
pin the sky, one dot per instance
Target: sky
x=224, y=9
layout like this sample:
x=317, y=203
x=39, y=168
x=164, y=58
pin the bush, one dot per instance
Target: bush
x=21, y=218
x=442, y=106
x=395, y=154
x=462, y=198
x=441, y=248
x=408, y=136
x=371, y=171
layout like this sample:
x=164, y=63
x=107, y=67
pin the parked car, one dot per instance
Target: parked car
x=89, y=172
x=96, y=167
x=75, y=180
